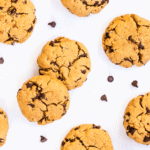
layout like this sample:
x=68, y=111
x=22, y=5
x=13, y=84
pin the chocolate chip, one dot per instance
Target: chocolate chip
x=63, y=143
x=83, y=55
x=51, y=43
x=72, y=140
x=25, y=1
x=110, y=79
x=29, y=84
x=64, y=105
x=77, y=128
x=11, y=10
x=131, y=39
x=140, y=46
x=1, y=60
x=52, y=24
x=111, y=50
x=147, y=123
x=14, y=1
x=43, y=139
x=30, y=29
x=147, y=110
x=96, y=3
x=1, y=8
x=60, y=78
x=32, y=105
x=1, y=140
x=135, y=83
x=107, y=36
x=146, y=139
x=42, y=95
x=1, y=113
x=34, y=21
x=84, y=2
x=83, y=71
x=96, y=127
x=131, y=130
x=128, y=114
x=104, y=98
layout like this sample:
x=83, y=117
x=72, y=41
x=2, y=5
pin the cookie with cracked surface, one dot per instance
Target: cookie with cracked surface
x=137, y=119
x=43, y=99
x=4, y=126
x=127, y=41
x=85, y=137
x=17, y=20
x=84, y=8
x=66, y=60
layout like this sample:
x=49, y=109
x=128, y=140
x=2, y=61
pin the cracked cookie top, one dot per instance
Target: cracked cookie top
x=127, y=41
x=17, y=20
x=66, y=60
x=84, y=8
x=43, y=99
x=3, y=127
x=87, y=137
x=137, y=119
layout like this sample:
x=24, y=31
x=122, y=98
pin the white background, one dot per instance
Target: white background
x=86, y=106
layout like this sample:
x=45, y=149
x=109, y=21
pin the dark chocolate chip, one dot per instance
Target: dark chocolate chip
x=60, y=78
x=135, y=83
x=14, y=1
x=32, y=105
x=51, y=43
x=52, y=24
x=147, y=110
x=104, y=98
x=83, y=71
x=30, y=29
x=1, y=8
x=25, y=1
x=63, y=143
x=111, y=50
x=1, y=113
x=131, y=39
x=34, y=21
x=107, y=35
x=146, y=139
x=43, y=139
x=72, y=140
x=77, y=128
x=96, y=127
x=140, y=46
x=11, y=10
x=131, y=130
x=1, y=140
x=147, y=123
x=29, y=84
x=42, y=95
x=84, y=2
x=128, y=114
x=96, y=3
x=1, y=60
x=110, y=79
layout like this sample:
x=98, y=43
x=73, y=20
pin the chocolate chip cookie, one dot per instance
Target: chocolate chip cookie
x=127, y=41
x=66, y=60
x=85, y=137
x=17, y=20
x=43, y=99
x=4, y=126
x=84, y=8
x=137, y=119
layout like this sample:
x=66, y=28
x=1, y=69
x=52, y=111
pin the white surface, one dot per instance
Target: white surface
x=86, y=107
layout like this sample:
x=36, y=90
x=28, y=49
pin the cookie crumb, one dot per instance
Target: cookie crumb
x=52, y=24
x=104, y=98
x=135, y=83
x=43, y=139
x=1, y=60
x=110, y=79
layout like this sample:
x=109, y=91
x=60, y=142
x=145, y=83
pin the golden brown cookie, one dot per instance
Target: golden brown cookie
x=137, y=119
x=84, y=8
x=4, y=126
x=127, y=41
x=87, y=137
x=17, y=20
x=43, y=99
x=66, y=60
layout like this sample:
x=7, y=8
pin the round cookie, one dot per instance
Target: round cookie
x=3, y=127
x=17, y=20
x=126, y=41
x=85, y=137
x=84, y=8
x=43, y=99
x=66, y=60
x=137, y=119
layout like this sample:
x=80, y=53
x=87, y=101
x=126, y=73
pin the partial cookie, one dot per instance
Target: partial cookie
x=84, y=8
x=43, y=99
x=66, y=60
x=127, y=41
x=137, y=119
x=4, y=126
x=17, y=20
x=87, y=137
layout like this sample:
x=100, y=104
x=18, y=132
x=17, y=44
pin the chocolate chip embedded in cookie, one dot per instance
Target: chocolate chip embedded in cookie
x=84, y=8
x=127, y=41
x=17, y=20
x=4, y=126
x=66, y=60
x=43, y=99
x=85, y=137
x=137, y=119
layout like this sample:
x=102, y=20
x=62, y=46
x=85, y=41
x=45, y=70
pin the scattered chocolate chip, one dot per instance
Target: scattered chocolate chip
x=43, y=139
x=111, y=50
x=32, y=105
x=84, y=2
x=29, y=84
x=30, y=29
x=147, y=123
x=127, y=120
x=146, y=139
x=14, y=1
x=96, y=127
x=110, y=79
x=1, y=8
x=25, y=1
x=96, y=3
x=131, y=130
x=72, y=140
x=42, y=95
x=52, y=24
x=104, y=98
x=131, y=39
x=135, y=83
x=140, y=46
x=11, y=10
x=147, y=110
x=77, y=128
x=1, y=113
x=63, y=114
x=128, y=114
x=1, y=140
x=1, y=60
x=63, y=143
x=107, y=36
x=34, y=21
x=51, y=43
x=60, y=78
x=83, y=71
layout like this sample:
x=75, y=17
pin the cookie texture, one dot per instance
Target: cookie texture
x=17, y=20
x=66, y=60
x=127, y=41
x=43, y=99
x=4, y=126
x=87, y=137
x=84, y=8
x=137, y=119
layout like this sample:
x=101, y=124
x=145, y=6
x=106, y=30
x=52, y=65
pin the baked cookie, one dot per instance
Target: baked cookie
x=83, y=8
x=85, y=137
x=126, y=41
x=43, y=99
x=137, y=119
x=3, y=127
x=66, y=60
x=17, y=20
